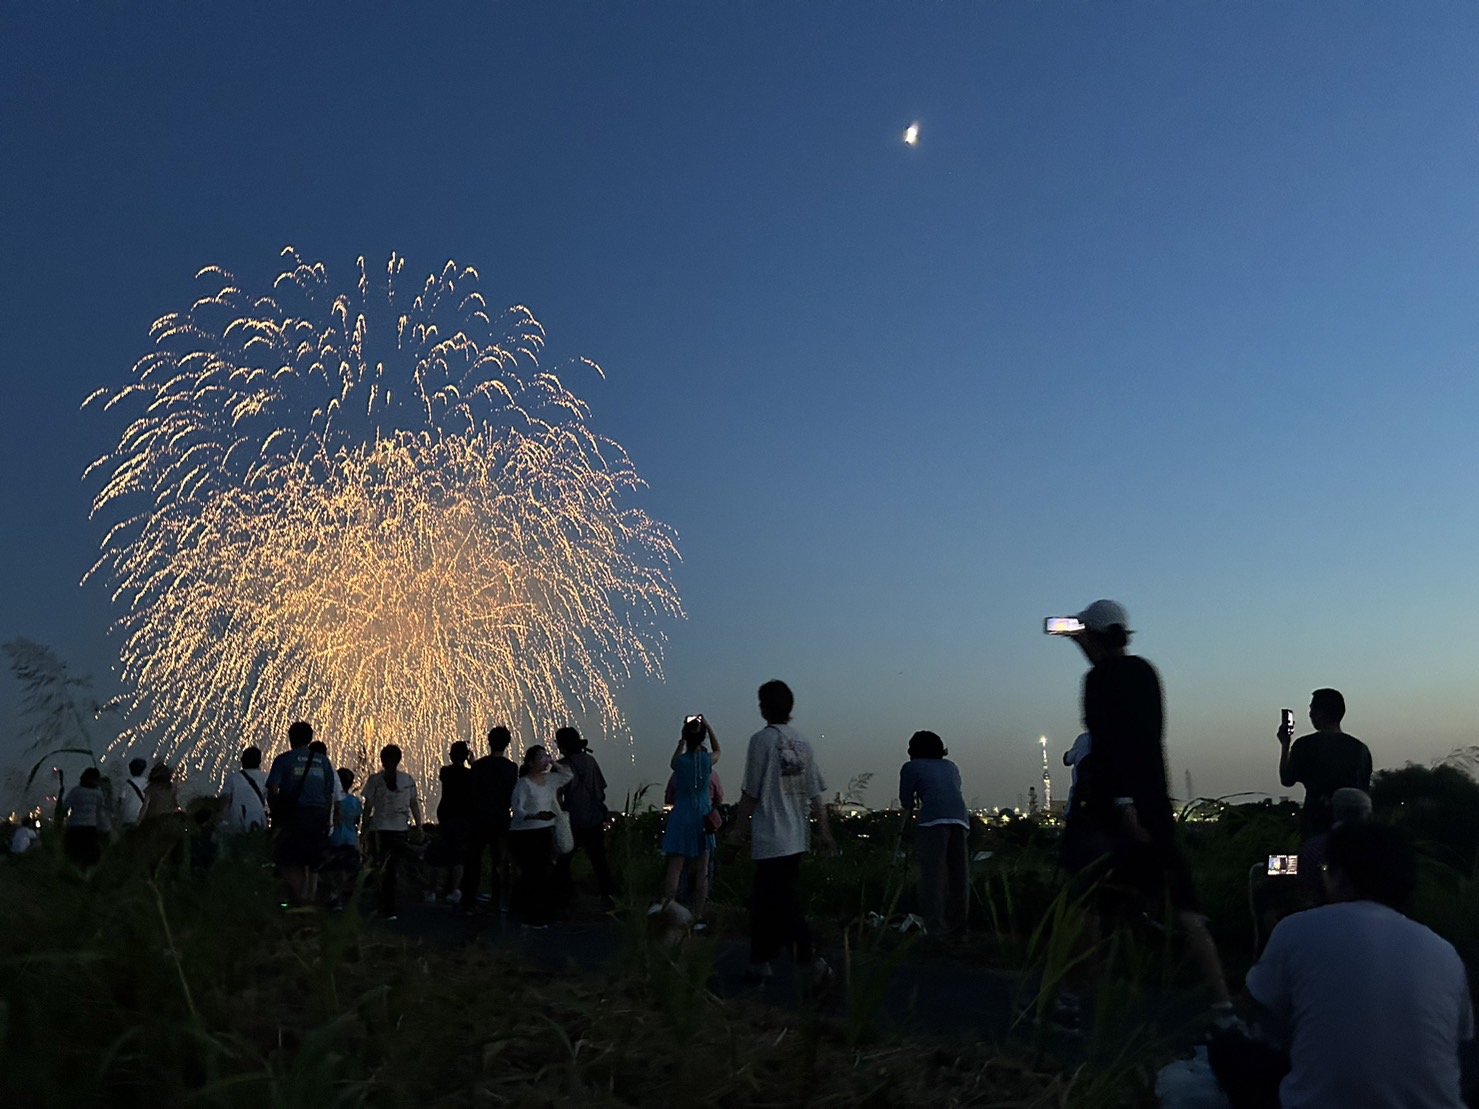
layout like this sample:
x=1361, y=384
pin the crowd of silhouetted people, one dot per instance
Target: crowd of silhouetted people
x=1350, y=1002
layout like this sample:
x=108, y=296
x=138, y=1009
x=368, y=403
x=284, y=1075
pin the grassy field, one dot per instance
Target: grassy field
x=145, y=983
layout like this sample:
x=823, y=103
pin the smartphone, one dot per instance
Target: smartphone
x=1286, y=721
x=1283, y=866
x=1062, y=625
x=693, y=719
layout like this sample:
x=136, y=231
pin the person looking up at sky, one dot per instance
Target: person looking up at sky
x=454, y=816
x=391, y=806
x=88, y=821
x=301, y=790
x=492, y=791
x=1324, y=761
x=131, y=796
x=686, y=838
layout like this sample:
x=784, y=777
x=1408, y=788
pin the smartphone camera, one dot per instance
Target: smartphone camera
x=1062, y=625
x=693, y=719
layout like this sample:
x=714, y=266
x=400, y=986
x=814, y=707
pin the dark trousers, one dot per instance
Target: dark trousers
x=84, y=846
x=944, y=878
x=775, y=911
x=534, y=892
x=390, y=851
x=482, y=839
x=593, y=842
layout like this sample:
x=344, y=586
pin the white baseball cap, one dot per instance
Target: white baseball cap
x=1104, y=614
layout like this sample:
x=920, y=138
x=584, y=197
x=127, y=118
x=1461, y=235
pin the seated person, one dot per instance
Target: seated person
x=1347, y=806
x=1372, y=1005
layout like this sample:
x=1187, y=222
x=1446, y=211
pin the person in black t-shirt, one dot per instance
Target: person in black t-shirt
x=1325, y=760
x=1128, y=802
x=491, y=781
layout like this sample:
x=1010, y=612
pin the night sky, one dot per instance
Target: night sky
x=1171, y=303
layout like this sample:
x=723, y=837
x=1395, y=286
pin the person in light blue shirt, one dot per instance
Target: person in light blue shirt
x=931, y=782
x=344, y=857
x=346, y=827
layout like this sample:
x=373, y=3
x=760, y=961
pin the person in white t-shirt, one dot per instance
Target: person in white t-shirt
x=131, y=794
x=25, y=837
x=531, y=840
x=391, y=805
x=244, y=796
x=782, y=789
x=1373, y=1005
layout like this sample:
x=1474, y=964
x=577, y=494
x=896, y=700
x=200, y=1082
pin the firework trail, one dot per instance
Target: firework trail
x=371, y=510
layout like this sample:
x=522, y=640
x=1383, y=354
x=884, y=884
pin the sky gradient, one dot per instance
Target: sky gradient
x=1172, y=304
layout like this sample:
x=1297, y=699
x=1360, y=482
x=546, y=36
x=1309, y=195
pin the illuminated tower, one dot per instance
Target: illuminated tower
x=1047, y=779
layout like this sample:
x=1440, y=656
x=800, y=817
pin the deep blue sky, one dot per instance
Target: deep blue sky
x=1173, y=303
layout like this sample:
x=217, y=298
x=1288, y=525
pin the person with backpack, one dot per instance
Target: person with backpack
x=301, y=799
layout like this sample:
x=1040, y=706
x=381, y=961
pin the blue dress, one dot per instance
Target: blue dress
x=686, y=833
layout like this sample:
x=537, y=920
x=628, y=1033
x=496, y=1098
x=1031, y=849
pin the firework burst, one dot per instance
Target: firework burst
x=372, y=510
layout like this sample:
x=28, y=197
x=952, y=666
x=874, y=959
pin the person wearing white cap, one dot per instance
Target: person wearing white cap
x=1127, y=799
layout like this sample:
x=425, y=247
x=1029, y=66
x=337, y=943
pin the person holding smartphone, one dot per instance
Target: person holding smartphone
x=1130, y=806
x=686, y=838
x=1324, y=761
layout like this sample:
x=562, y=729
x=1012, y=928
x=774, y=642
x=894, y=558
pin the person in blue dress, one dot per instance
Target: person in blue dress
x=686, y=838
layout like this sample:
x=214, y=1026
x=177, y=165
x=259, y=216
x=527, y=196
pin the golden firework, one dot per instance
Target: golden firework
x=382, y=517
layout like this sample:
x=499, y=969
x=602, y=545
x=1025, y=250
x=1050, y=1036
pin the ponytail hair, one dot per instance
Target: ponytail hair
x=390, y=758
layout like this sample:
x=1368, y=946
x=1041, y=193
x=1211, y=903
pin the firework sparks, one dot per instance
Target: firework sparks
x=378, y=515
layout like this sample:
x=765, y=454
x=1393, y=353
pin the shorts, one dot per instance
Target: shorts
x=304, y=837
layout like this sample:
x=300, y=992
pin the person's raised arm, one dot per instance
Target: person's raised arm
x=1288, y=772
x=713, y=743
x=677, y=753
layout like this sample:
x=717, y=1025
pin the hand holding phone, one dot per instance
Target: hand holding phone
x=1286, y=725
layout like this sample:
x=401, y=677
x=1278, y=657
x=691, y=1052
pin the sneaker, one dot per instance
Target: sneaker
x=454, y=898
x=393, y=916
x=429, y=897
